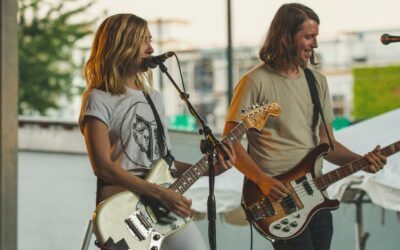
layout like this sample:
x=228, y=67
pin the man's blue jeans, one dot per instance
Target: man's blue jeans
x=316, y=236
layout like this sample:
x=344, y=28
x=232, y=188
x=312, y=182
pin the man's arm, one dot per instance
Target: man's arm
x=341, y=155
x=270, y=186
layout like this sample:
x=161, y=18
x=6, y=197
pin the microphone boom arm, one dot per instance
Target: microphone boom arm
x=185, y=97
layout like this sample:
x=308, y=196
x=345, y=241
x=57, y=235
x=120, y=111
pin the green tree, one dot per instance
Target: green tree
x=47, y=40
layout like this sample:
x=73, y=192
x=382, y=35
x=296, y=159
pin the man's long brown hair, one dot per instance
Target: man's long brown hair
x=279, y=49
x=116, y=45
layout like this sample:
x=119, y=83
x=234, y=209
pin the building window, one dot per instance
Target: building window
x=338, y=104
x=203, y=76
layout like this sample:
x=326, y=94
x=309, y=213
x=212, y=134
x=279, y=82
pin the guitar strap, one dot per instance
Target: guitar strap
x=161, y=139
x=312, y=85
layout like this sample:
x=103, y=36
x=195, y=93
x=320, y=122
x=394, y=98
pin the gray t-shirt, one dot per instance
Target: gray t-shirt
x=286, y=139
x=132, y=127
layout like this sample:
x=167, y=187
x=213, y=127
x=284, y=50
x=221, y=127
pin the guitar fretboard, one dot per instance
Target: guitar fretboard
x=190, y=176
x=329, y=178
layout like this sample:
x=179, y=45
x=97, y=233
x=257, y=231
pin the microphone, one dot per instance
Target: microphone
x=386, y=39
x=154, y=61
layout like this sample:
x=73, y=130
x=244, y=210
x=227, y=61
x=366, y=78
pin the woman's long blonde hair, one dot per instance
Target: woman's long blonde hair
x=116, y=46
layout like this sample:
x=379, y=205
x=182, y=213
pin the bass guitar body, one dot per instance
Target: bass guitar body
x=288, y=218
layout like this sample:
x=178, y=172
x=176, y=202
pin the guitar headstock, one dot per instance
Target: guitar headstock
x=256, y=116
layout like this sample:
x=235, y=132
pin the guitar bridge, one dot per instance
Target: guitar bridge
x=139, y=226
x=261, y=209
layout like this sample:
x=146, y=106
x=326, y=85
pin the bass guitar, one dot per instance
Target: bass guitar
x=130, y=221
x=288, y=218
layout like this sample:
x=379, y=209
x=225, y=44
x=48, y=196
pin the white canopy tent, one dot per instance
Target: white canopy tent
x=383, y=188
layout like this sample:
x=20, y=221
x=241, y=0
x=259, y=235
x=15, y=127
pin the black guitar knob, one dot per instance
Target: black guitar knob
x=286, y=229
x=293, y=224
x=285, y=221
x=154, y=248
x=156, y=237
x=277, y=226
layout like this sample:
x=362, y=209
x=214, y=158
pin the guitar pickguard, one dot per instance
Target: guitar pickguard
x=151, y=219
x=310, y=197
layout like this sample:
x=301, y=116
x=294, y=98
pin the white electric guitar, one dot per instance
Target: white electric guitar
x=130, y=221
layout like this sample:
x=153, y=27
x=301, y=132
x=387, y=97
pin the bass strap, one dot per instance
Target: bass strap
x=312, y=85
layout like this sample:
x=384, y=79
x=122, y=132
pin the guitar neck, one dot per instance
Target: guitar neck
x=190, y=176
x=333, y=176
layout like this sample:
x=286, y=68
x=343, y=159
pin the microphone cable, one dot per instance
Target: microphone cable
x=180, y=73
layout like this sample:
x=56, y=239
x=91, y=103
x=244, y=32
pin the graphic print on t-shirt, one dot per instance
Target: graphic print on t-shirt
x=139, y=134
x=143, y=135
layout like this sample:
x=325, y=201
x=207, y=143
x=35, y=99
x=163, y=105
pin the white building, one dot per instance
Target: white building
x=205, y=73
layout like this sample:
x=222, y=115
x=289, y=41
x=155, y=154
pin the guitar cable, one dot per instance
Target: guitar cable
x=247, y=215
x=251, y=235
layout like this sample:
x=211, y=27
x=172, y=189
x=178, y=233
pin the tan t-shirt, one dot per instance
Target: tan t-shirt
x=286, y=139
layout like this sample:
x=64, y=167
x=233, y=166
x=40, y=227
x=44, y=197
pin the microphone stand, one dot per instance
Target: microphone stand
x=211, y=143
x=206, y=148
